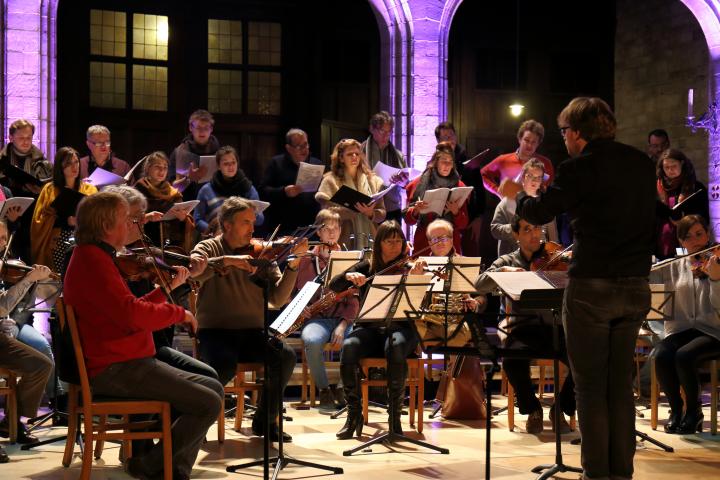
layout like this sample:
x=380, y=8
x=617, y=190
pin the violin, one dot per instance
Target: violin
x=699, y=259
x=176, y=256
x=12, y=271
x=136, y=266
x=265, y=252
x=551, y=257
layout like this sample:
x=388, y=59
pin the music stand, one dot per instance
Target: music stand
x=280, y=460
x=390, y=299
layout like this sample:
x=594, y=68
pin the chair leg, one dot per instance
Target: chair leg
x=541, y=381
x=127, y=444
x=420, y=400
x=412, y=386
x=100, y=444
x=713, y=396
x=240, y=410
x=87, y=454
x=167, y=444
x=304, y=379
x=72, y=426
x=12, y=411
x=653, y=396
x=510, y=407
x=365, y=400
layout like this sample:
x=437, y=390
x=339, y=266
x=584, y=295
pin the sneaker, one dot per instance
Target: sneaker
x=327, y=402
x=564, y=425
x=534, y=423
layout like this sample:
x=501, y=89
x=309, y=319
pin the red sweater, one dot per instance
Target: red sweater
x=115, y=326
x=509, y=166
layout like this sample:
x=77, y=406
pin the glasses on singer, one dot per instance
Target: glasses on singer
x=437, y=240
x=101, y=144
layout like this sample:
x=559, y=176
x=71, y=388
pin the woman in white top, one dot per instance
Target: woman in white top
x=532, y=175
x=693, y=334
x=348, y=167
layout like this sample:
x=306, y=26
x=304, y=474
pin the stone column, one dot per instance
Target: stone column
x=29, y=70
x=413, y=70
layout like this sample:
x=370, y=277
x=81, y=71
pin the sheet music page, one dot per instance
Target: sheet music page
x=259, y=205
x=434, y=264
x=209, y=162
x=382, y=292
x=340, y=261
x=130, y=173
x=460, y=194
x=288, y=316
x=386, y=172
x=436, y=200
x=382, y=193
x=22, y=202
x=513, y=283
x=101, y=177
x=309, y=176
x=467, y=271
x=185, y=207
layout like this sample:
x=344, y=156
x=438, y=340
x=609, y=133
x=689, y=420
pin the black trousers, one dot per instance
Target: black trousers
x=676, y=363
x=223, y=349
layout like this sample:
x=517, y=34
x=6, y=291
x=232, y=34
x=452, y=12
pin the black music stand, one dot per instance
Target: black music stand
x=456, y=282
x=280, y=460
x=387, y=308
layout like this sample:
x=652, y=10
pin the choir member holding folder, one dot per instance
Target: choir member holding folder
x=53, y=220
x=348, y=168
x=441, y=173
x=161, y=196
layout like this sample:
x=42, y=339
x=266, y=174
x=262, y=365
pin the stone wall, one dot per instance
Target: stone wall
x=660, y=52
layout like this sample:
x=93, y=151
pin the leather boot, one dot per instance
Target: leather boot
x=396, y=396
x=354, y=421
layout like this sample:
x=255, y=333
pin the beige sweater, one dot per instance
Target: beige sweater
x=351, y=221
x=234, y=301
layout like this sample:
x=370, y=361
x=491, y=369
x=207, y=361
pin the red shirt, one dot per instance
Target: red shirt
x=114, y=325
x=508, y=166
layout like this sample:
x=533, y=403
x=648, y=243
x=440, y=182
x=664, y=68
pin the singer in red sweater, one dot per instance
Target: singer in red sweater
x=116, y=334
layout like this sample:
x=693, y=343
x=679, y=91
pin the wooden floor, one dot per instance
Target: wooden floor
x=514, y=454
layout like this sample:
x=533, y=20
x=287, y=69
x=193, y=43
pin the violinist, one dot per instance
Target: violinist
x=533, y=334
x=50, y=229
x=116, y=334
x=532, y=175
x=23, y=349
x=693, y=334
x=333, y=324
x=390, y=248
x=230, y=307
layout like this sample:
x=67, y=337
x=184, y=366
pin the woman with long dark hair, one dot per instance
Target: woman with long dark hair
x=50, y=229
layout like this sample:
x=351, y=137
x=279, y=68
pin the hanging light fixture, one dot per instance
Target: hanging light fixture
x=517, y=108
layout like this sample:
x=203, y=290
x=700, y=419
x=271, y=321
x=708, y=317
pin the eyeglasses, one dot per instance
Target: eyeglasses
x=436, y=240
x=101, y=144
x=533, y=178
x=563, y=130
x=302, y=146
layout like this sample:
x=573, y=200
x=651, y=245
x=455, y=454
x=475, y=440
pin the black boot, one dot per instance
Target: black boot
x=354, y=422
x=691, y=422
x=396, y=396
x=674, y=421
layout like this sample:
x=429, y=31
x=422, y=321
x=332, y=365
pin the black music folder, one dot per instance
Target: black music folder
x=18, y=175
x=66, y=203
x=348, y=197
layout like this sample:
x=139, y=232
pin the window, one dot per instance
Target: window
x=110, y=60
x=244, y=62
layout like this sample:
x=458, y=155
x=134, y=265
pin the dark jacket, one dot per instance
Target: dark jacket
x=609, y=192
x=288, y=212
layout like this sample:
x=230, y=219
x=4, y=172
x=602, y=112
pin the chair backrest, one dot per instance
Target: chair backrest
x=68, y=322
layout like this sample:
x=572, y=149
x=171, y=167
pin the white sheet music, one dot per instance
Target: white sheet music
x=259, y=205
x=382, y=292
x=467, y=271
x=22, y=202
x=437, y=198
x=513, y=283
x=101, y=177
x=288, y=316
x=309, y=176
x=184, y=207
x=340, y=261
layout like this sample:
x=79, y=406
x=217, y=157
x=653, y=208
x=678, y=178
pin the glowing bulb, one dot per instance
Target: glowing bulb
x=516, y=109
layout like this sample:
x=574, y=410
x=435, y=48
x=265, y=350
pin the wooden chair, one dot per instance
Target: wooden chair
x=104, y=430
x=239, y=387
x=543, y=380
x=415, y=381
x=307, y=386
x=713, y=365
x=9, y=390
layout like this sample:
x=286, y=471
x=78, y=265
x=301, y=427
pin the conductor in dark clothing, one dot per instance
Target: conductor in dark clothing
x=608, y=189
x=289, y=207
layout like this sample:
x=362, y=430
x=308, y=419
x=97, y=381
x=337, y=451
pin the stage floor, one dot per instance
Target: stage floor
x=513, y=453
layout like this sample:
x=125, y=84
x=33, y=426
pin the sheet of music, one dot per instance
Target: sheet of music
x=309, y=176
x=467, y=271
x=340, y=261
x=513, y=283
x=288, y=316
x=382, y=292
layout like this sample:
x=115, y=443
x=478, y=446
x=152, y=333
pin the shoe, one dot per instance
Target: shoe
x=564, y=425
x=134, y=467
x=23, y=437
x=339, y=394
x=327, y=402
x=692, y=422
x=258, y=429
x=3, y=456
x=534, y=424
x=673, y=422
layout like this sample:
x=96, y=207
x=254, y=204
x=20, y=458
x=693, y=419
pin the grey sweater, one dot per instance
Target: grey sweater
x=234, y=301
